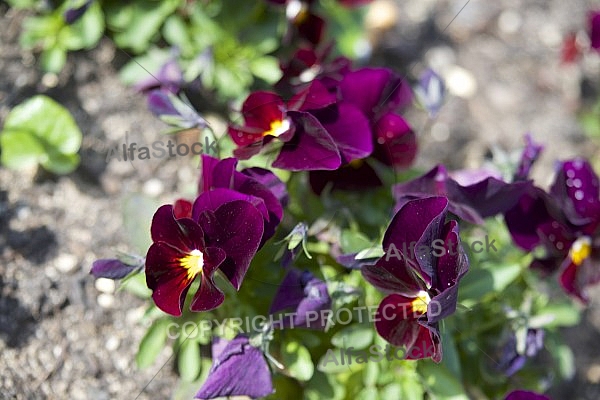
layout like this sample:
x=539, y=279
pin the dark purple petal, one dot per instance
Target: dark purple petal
x=427, y=345
x=577, y=190
x=209, y=296
x=73, y=14
x=396, y=143
x=467, y=177
x=168, y=78
x=237, y=228
x=315, y=96
x=576, y=276
x=312, y=148
x=418, y=222
x=211, y=200
x=261, y=108
x=349, y=129
x=311, y=28
x=392, y=275
x=290, y=292
x=111, y=268
x=396, y=321
x=358, y=175
x=183, y=234
x=530, y=154
x=594, y=29
x=431, y=183
x=238, y=370
x=269, y=180
x=525, y=395
x=182, y=209
x=526, y=216
x=365, y=88
x=167, y=278
x=349, y=261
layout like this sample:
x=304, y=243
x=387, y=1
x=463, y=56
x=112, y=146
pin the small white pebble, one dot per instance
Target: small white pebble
x=105, y=300
x=65, y=263
x=509, y=21
x=112, y=343
x=440, y=132
x=153, y=187
x=50, y=79
x=461, y=82
x=105, y=285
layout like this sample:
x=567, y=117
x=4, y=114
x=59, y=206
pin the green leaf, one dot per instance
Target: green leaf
x=353, y=242
x=297, y=360
x=53, y=59
x=152, y=343
x=566, y=361
x=136, y=284
x=189, y=360
x=85, y=32
x=266, y=68
x=359, y=336
x=441, y=383
x=137, y=218
x=555, y=315
x=368, y=393
x=323, y=386
x=140, y=21
x=52, y=142
x=479, y=282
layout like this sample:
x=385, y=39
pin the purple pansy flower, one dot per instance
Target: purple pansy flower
x=306, y=296
x=529, y=156
x=223, y=238
x=478, y=199
x=420, y=270
x=566, y=221
x=238, y=369
x=302, y=21
x=316, y=130
x=525, y=395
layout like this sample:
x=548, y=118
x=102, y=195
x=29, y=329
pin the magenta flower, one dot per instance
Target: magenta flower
x=525, y=395
x=594, y=29
x=315, y=130
x=420, y=271
x=223, y=238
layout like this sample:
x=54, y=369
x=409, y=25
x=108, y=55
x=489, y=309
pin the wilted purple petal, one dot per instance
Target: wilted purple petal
x=73, y=14
x=239, y=369
x=431, y=91
x=111, y=268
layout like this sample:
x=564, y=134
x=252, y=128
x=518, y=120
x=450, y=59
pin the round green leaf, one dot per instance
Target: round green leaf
x=189, y=361
x=152, y=343
x=297, y=359
x=43, y=124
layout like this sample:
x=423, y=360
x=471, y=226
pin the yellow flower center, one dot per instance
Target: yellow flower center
x=278, y=127
x=419, y=305
x=356, y=164
x=580, y=250
x=193, y=263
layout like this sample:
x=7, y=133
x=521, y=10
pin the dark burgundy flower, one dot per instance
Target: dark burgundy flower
x=238, y=369
x=304, y=295
x=566, y=222
x=420, y=270
x=303, y=22
x=220, y=180
x=525, y=395
x=72, y=15
x=315, y=130
x=594, y=29
x=225, y=237
x=472, y=202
